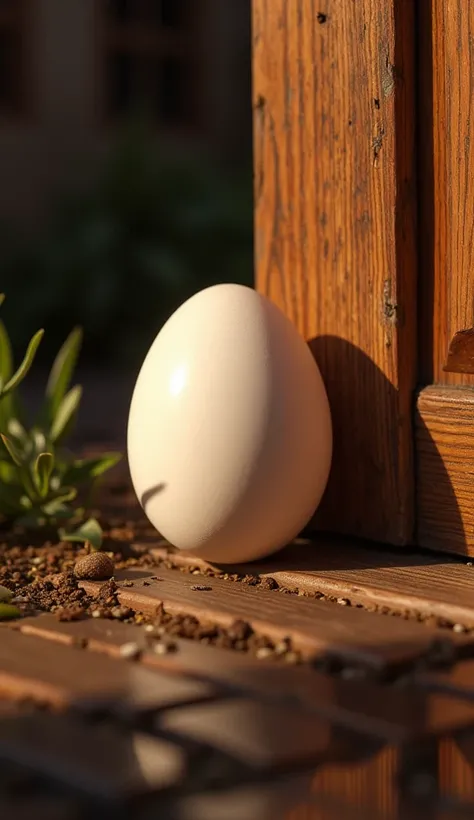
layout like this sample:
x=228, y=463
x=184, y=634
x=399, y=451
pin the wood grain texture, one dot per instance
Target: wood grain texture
x=402, y=581
x=445, y=459
x=315, y=627
x=334, y=227
x=446, y=123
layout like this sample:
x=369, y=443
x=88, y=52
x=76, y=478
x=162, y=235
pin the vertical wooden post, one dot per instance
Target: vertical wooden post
x=333, y=97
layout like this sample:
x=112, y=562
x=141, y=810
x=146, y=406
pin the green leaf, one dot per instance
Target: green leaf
x=14, y=451
x=42, y=471
x=87, y=469
x=58, y=510
x=26, y=473
x=66, y=495
x=25, y=365
x=6, y=360
x=89, y=532
x=61, y=373
x=8, y=404
x=66, y=412
x=38, y=441
x=5, y=595
x=8, y=612
x=17, y=431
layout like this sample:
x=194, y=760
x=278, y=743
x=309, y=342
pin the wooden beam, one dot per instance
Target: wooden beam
x=334, y=226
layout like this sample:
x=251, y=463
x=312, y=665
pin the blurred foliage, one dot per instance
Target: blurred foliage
x=39, y=477
x=155, y=227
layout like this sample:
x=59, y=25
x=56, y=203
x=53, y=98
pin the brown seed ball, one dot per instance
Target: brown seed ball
x=94, y=567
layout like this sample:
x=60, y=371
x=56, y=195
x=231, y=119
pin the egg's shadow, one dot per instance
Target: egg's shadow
x=370, y=500
x=149, y=494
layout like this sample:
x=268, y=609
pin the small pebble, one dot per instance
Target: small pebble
x=282, y=647
x=164, y=647
x=120, y=612
x=200, y=588
x=5, y=595
x=292, y=657
x=96, y=613
x=343, y=601
x=264, y=652
x=130, y=651
x=94, y=567
x=458, y=628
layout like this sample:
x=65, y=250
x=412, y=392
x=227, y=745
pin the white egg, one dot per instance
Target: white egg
x=229, y=433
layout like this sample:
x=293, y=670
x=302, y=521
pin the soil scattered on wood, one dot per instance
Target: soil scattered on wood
x=45, y=578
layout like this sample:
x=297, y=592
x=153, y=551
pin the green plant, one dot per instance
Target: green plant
x=39, y=477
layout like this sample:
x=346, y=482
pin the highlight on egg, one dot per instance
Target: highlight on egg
x=229, y=431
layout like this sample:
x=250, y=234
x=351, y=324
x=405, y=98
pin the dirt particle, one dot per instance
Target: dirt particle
x=94, y=567
x=164, y=647
x=130, y=651
x=321, y=17
x=200, y=588
x=282, y=647
x=68, y=614
x=264, y=653
x=268, y=583
x=377, y=103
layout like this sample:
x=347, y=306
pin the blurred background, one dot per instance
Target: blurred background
x=125, y=166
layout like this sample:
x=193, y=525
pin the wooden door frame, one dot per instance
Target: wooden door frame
x=335, y=229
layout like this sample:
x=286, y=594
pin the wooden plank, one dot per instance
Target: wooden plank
x=446, y=182
x=261, y=736
x=98, y=760
x=459, y=680
x=362, y=706
x=315, y=627
x=56, y=674
x=445, y=455
x=403, y=581
x=334, y=231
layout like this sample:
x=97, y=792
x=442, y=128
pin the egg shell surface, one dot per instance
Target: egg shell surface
x=229, y=433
